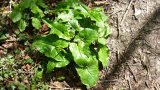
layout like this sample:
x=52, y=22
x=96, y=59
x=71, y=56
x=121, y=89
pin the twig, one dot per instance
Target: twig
x=105, y=81
x=113, y=13
x=10, y=5
x=134, y=77
x=118, y=29
x=100, y=2
x=126, y=12
x=147, y=7
x=59, y=88
x=129, y=83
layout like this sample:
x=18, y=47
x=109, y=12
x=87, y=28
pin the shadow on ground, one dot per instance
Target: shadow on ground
x=150, y=26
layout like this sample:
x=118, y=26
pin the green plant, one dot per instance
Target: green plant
x=28, y=10
x=6, y=67
x=77, y=34
x=8, y=79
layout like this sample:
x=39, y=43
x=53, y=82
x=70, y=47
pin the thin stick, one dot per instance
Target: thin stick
x=100, y=2
x=147, y=7
x=126, y=12
x=59, y=88
x=129, y=83
x=134, y=77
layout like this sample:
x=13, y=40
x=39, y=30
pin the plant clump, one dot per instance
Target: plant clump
x=77, y=34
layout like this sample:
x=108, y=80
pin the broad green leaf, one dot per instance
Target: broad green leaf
x=36, y=23
x=25, y=4
x=97, y=15
x=87, y=67
x=61, y=43
x=45, y=48
x=108, y=31
x=75, y=25
x=82, y=9
x=58, y=29
x=84, y=48
x=103, y=31
x=49, y=51
x=89, y=73
x=92, y=13
x=103, y=55
x=16, y=15
x=36, y=10
x=102, y=41
x=65, y=17
x=50, y=46
x=56, y=64
x=59, y=33
x=22, y=25
x=54, y=40
x=79, y=57
x=87, y=36
x=60, y=57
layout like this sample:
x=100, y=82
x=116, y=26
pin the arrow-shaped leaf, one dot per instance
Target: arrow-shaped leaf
x=89, y=74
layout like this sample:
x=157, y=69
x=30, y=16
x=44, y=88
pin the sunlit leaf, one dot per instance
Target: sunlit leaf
x=36, y=23
x=102, y=41
x=61, y=43
x=88, y=36
x=103, y=55
x=50, y=46
x=22, y=25
x=89, y=73
x=47, y=49
x=65, y=16
x=81, y=57
x=58, y=29
x=75, y=25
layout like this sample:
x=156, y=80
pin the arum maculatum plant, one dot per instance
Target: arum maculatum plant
x=77, y=34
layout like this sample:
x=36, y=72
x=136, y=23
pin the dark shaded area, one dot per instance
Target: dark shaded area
x=70, y=77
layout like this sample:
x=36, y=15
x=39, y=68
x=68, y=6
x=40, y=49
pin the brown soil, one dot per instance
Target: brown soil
x=134, y=46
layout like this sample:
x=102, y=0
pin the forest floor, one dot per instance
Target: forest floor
x=134, y=46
